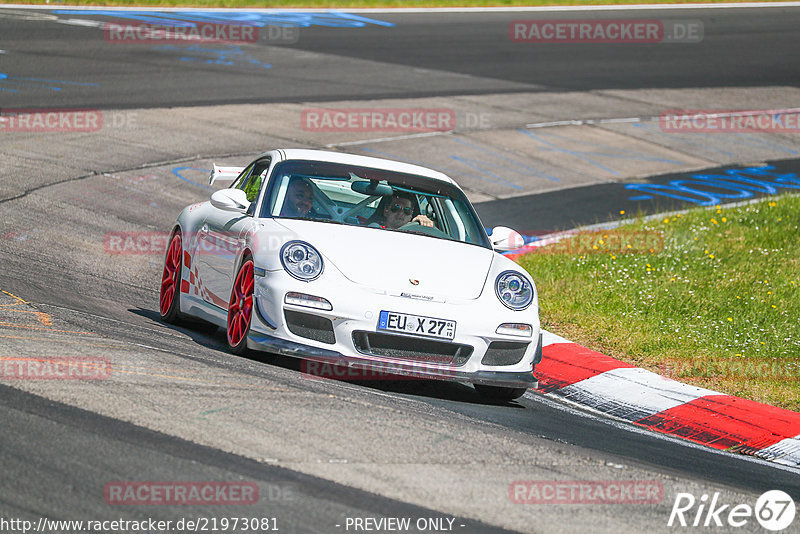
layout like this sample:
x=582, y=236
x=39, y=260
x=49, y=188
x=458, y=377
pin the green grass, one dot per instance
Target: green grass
x=354, y=3
x=714, y=302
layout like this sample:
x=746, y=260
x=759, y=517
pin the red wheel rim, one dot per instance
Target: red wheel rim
x=241, y=306
x=171, y=276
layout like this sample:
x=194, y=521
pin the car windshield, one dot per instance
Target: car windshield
x=372, y=198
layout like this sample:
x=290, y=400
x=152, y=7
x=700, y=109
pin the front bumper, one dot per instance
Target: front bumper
x=355, y=313
x=276, y=345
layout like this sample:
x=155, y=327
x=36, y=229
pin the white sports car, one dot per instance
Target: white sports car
x=369, y=263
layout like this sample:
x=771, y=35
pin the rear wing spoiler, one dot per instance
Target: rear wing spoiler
x=223, y=173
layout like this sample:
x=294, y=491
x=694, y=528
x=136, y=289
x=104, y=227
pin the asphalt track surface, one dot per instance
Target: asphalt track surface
x=57, y=456
x=740, y=48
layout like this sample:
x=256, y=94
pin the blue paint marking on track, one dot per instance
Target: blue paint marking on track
x=3, y=77
x=693, y=142
x=483, y=166
x=614, y=152
x=331, y=19
x=41, y=83
x=577, y=154
x=177, y=172
x=591, y=156
x=62, y=82
x=732, y=138
x=507, y=160
x=751, y=139
x=412, y=161
x=709, y=189
x=229, y=55
x=441, y=168
x=474, y=165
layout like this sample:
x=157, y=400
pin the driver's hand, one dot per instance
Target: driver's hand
x=423, y=220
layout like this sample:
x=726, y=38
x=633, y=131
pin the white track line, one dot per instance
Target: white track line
x=386, y=139
x=714, y=114
x=582, y=122
x=632, y=393
x=786, y=452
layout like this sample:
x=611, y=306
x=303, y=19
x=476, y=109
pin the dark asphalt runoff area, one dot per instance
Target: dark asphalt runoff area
x=543, y=213
x=57, y=456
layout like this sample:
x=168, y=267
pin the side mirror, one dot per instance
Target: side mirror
x=504, y=239
x=230, y=200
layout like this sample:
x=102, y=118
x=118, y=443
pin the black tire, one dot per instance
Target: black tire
x=498, y=393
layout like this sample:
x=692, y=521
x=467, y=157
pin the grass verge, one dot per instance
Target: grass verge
x=710, y=297
x=355, y=3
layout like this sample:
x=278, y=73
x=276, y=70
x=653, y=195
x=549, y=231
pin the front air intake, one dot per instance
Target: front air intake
x=504, y=353
x=411, y=348
x=310, y=326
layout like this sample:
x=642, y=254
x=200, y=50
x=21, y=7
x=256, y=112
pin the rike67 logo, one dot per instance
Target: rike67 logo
x=774, y=510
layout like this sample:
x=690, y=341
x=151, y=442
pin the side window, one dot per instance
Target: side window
x=451, y=220
x=251, y=182
x=272, y=205
x=243, y=176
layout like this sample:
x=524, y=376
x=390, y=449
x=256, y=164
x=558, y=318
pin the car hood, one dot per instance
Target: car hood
x=418, y=265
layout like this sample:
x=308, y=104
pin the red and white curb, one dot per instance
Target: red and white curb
x=646, y=399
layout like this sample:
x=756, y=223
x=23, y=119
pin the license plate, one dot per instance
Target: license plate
x=417, y=325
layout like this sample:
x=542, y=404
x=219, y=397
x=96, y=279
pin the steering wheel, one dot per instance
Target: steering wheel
x=417, y=228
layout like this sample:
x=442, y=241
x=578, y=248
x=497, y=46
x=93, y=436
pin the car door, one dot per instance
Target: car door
x=221, y=237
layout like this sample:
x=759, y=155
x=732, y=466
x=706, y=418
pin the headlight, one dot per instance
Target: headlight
x=301, y=260
x=514, y=290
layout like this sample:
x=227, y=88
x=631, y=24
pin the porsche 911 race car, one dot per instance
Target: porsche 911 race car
x=358, y=261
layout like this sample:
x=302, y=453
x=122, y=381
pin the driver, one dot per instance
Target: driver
x=299, y=199
x=400, y=211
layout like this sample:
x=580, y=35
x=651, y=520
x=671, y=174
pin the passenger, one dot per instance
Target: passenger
x=401, y=209
x=299, y=199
